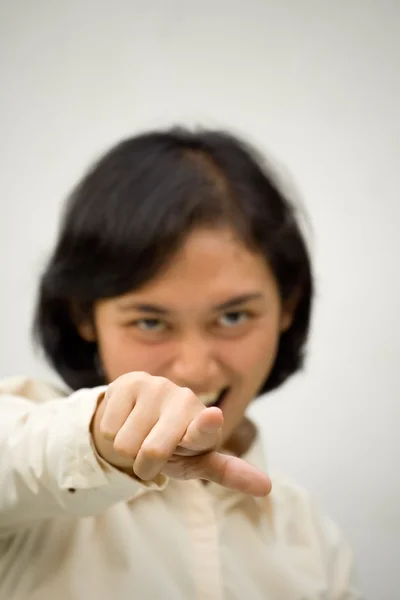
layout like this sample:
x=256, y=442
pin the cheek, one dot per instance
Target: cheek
x=254, y=357
x=120, y=353
x=252, y=361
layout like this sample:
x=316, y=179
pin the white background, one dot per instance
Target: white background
x=316, y=85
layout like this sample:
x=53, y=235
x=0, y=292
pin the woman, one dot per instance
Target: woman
x=179, y=290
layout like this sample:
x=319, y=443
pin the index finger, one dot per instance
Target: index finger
x=233, y=472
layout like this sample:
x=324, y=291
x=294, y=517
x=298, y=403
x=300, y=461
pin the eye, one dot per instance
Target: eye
x=234, y=318
x=150, y=325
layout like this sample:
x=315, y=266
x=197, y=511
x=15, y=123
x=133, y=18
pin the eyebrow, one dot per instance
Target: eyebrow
x=162, y=311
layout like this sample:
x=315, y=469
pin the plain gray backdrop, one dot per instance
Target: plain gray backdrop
x=316, y=85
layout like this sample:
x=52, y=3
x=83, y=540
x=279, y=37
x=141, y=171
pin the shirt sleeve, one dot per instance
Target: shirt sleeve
x=48, y=463
x=315, y=544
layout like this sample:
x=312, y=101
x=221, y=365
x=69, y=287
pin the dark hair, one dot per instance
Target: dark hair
x=132, y=211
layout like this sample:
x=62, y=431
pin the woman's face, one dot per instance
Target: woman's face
x=211, y=321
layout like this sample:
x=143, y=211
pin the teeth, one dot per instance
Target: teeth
x=209, y=399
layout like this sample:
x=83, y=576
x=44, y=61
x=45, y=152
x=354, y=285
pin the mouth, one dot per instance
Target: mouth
x=213, y=398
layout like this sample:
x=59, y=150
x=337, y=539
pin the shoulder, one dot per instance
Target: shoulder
x=29, y=388
x=311, y=543
x=299, y=516
x=288, y=494
x=309, y=533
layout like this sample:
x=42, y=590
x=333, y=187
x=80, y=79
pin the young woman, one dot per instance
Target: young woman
x=179, y=290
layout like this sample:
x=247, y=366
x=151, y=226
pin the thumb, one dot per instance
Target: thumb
x=230, y=472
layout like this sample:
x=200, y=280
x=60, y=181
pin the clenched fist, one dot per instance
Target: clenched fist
x=153, y=426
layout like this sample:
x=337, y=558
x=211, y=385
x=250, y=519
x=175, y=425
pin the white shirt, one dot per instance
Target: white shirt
x=72, y=527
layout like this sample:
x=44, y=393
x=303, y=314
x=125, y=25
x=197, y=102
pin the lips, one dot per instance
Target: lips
x=213, y=398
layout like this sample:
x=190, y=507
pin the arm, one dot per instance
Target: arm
x=145, y=426
x=48, y=463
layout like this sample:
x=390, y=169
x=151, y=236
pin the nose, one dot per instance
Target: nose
x=195, y=365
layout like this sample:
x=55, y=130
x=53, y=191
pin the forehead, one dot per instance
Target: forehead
x=210, y=267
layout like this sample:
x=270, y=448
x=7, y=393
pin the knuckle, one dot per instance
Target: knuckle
x=151, y=451
x=162, y=382
x=121, y=380
x=152, y=382
x=115, y=386
x=120, y=447
x=162, y=387
x=140, y=376
x=188, y=403
x=188, y=396
x=128, y=379
x=107, y=432
x=109, y=390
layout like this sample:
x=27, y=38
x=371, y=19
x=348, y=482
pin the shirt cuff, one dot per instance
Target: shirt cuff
x=81, y=468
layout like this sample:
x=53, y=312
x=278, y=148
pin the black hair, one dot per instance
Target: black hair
x=131, y=212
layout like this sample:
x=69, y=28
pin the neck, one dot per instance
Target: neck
x=241, y=439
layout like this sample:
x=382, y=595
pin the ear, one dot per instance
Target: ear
x=288, y=312
x=87, y=331
x=83, y=322
x=286, y=320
